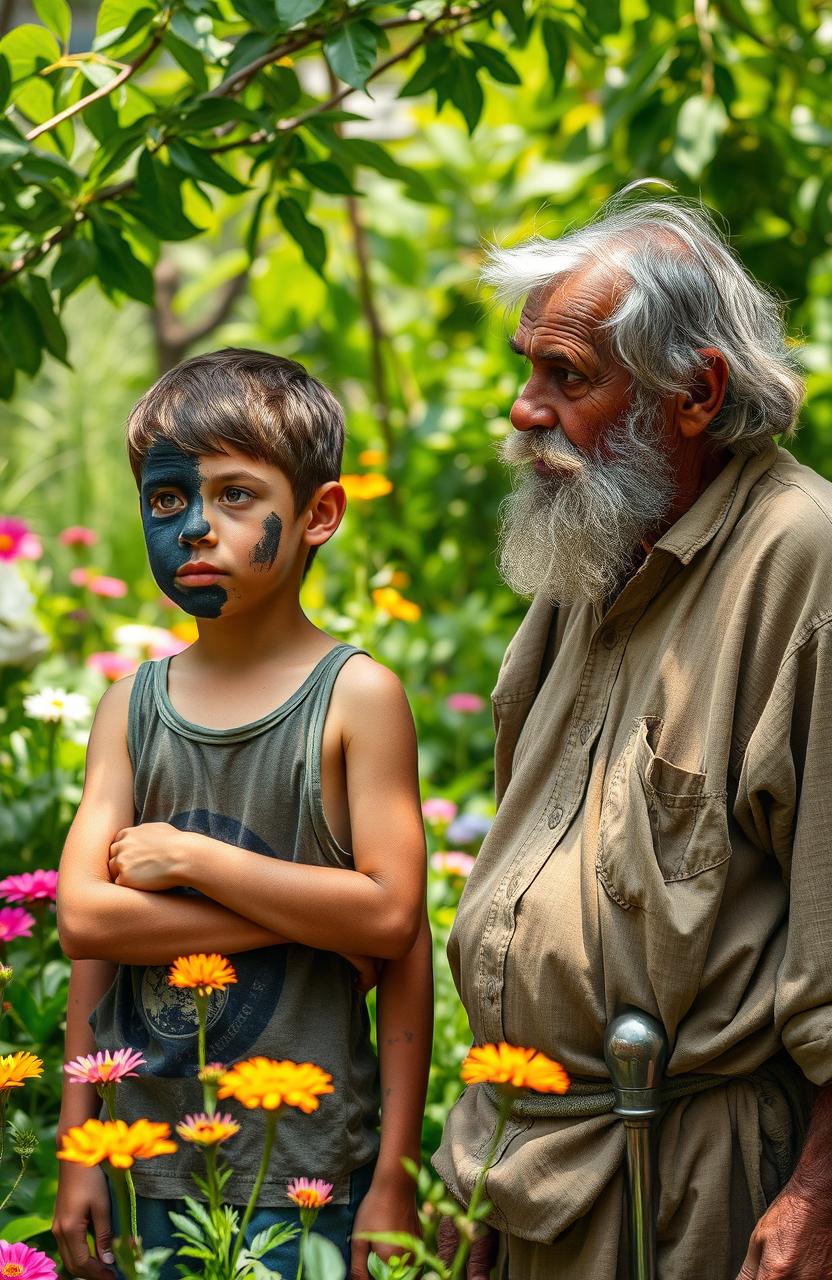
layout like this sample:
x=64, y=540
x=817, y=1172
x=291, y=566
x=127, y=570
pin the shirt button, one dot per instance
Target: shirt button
x=609, y=637
x=491, y=989
x=586, y=730
x=555, y=817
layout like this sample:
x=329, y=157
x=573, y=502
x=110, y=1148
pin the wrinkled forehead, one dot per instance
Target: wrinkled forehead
x=579, y=300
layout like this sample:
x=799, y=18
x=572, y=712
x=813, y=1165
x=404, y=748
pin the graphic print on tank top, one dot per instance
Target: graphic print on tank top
x=163, y=1024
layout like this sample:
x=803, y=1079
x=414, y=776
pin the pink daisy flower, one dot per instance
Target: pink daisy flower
x=78, y=576
x=453, y=862
x=24, y=1263
x=111, y=665
x=467, y=703
x=435, y=809
x=17, y=540
x=309, y=1193
x=104, y=586
x=104, y=1067
x=78, y=535
x=15, y=923
x=30, y=886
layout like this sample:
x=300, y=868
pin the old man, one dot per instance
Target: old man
x=663, y=838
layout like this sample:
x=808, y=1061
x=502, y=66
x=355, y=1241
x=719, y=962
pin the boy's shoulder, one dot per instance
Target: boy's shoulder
x=365, y=687
x=114, y=703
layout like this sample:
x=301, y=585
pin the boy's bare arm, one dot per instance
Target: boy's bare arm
x=100, y=920
x=376, y=912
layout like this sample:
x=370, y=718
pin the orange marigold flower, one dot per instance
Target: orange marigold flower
x=17, y=1067
x=507, y=1064
x=263, y=1082
x=371, y=457
x=393, y=602
x=366, y=487
x=202, y=974
x=309, y=1193
x=95, y=1141
x=207, y=1130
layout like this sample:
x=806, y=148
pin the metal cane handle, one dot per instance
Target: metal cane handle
x=635, y=1050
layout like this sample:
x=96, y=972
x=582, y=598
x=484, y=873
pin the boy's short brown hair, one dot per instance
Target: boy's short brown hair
x=266, y=406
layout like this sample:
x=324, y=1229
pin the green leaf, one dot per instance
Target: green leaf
x=12, y=145
x=699, y=127
x=291, y=11
x=24, y=340
x=516, y=17
x=351, y=52
x=5, y=82
x=426, y=75
x=201, y=166
x=118, y=266
x=25, y=1228
x=53, y=331
x=605, y=15
x=158, y=202
x=57, y=16
x=121, y=22
x=27, y=48
x=371, y=154
x=322, y=1259
x=76, y=264
x=260, y=13
x=198, y=31
x=466, y=92
x=310, y=238
x=190, y=60
x=495, y=63
x=253, y=232
x=248, y=49
x=557, y=52
x=328, y=177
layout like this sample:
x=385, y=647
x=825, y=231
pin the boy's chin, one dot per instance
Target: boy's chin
x=199, y=602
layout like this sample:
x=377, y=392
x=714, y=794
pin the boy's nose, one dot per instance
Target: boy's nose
x=196, y=529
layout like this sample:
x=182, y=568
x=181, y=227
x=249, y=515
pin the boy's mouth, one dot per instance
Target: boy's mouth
x=198, y=573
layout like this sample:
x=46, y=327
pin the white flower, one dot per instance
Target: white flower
x=57, y=704
x=22, y=642
x=21, y=646
x=137, y=635
x=16, y=599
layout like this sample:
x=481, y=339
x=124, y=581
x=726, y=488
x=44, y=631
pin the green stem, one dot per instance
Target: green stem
x=23, y=1164
x=464, y=1247
x=52, y=729
x=303, y=1235
x=126, y=1248
x=107, y=1092
x=202, y=1021
x=271, y=1126
x=3, y=1096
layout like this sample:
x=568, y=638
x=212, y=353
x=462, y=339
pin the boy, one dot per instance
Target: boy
x=256, y=795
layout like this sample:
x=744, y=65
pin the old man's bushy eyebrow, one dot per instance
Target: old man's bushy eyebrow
x=551, y=353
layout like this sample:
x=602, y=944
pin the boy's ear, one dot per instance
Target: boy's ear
x=325, y=513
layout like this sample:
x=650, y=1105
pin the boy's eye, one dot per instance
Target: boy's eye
x=157, y=502
x=243, y=492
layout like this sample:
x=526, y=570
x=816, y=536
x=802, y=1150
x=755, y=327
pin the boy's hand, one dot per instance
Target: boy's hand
x=81, y=1205
x=148, y=856
x=368, y=971
x=386, y=1207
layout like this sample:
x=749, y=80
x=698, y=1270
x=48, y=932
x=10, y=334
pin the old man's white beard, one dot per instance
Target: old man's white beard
x=575, y=536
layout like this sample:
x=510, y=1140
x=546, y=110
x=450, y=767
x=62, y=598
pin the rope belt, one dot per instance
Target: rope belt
x=586, y=1098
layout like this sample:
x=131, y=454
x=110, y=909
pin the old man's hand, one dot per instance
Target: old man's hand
x=792, y=1240
x=148, y=856
x=483, y=1253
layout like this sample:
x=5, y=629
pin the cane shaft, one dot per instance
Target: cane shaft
x=641, y=1201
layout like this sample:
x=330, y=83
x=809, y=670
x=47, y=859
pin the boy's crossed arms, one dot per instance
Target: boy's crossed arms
x=113, y=908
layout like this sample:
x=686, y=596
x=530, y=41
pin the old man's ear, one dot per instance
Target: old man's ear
x=697, y=407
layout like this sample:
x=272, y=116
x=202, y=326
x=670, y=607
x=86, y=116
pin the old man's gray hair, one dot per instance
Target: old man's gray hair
x=686, y=290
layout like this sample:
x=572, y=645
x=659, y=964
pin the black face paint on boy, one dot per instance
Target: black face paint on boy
x=265, y=553
x=168, y=467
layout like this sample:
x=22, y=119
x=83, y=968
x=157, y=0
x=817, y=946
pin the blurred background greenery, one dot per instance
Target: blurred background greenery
x=347, y=231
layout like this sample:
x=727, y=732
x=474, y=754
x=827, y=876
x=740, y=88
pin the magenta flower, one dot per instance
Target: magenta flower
x=104, y=586
x=103, y=1067
x=78, y=535
x=17, y=542
x=24, y=1263
x=78, y=576
x=309, y=1193
x=435, y=809
x=453, y=862
x=112, y=665
x=466, y=703
x=30, y=886
x=15, y=923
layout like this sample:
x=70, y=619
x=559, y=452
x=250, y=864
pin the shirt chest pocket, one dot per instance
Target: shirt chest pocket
x=659, y=823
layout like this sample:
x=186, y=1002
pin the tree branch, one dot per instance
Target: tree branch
x=103, y=91
x=173, y=337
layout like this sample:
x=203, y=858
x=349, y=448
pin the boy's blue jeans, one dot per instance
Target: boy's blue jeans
x=334, y=1221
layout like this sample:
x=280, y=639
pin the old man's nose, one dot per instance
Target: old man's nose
x=528, y=413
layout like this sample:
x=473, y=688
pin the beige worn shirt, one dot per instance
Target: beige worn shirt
x=663, y=839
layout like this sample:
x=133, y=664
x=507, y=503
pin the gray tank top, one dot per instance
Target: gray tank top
x=257, y=786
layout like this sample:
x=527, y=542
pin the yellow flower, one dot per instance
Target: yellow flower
x=95, y=1141
x=371, y=457
x=366, y=487
x=506, y=1064
x=393, y=602
x=201, y=973
x=263, y=1082
x=187, y=631
x=207, y=1130
x=17, y=1067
